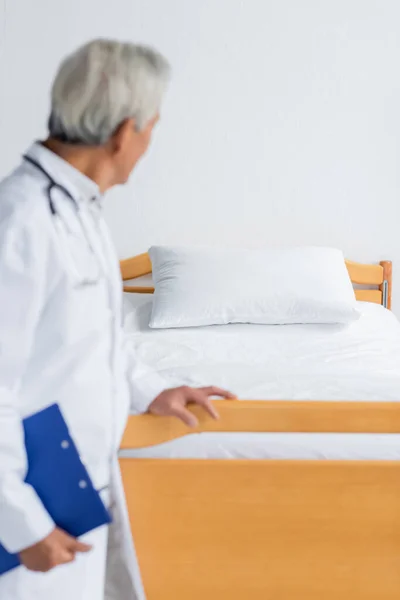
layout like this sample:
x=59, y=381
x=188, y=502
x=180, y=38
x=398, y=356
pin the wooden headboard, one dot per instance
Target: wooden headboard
x=373, y=283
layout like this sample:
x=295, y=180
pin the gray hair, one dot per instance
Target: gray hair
x=101, y=85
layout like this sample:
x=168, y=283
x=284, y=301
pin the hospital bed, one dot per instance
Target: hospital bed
x=295, y=492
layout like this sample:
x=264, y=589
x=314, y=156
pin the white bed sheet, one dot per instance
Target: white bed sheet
x=295, y=362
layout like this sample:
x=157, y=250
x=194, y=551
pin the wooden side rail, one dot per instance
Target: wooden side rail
x=265, y=530
x=269, y=417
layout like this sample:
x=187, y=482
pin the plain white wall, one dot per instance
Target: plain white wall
x=281, y=125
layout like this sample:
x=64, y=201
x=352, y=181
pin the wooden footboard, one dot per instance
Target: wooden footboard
x=267, y=530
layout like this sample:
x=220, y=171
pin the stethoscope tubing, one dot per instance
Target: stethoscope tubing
x=52, y=186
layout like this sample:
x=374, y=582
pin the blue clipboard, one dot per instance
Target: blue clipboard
x=59, y=478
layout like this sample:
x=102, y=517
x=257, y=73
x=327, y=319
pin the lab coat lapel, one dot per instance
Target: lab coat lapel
x=112, y=266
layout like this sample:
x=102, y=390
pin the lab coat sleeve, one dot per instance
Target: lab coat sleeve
x=23, y=518
x=144, y=384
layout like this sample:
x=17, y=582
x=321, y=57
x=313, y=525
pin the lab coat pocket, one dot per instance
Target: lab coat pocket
x=85, y=265
x=80, y=259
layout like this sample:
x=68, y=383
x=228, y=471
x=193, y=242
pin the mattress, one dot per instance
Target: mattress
x=359, y=362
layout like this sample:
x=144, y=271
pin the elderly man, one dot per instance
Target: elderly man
x=60, y=335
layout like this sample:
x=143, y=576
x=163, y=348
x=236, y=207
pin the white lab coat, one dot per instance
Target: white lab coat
x=61, y=341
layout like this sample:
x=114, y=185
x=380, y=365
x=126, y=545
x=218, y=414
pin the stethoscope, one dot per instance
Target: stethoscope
x=80, y=281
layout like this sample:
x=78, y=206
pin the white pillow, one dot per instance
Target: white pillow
x=275, y=286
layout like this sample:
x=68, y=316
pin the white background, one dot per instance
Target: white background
x=281, y=125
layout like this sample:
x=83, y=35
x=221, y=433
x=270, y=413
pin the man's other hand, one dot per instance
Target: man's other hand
x=173, y=403
x=58, y=548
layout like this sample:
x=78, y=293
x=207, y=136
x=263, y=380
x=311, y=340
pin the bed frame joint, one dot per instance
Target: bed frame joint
x=385, y=296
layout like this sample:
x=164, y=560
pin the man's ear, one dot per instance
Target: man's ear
x=122, y=136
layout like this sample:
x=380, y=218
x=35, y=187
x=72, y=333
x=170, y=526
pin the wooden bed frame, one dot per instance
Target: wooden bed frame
x=266, y=529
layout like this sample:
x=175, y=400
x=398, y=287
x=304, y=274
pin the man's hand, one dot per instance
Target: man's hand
x=57, y=549
x=173, y=403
